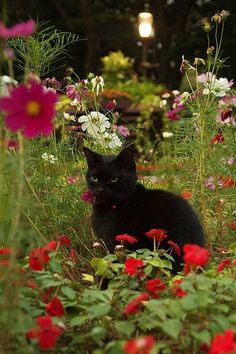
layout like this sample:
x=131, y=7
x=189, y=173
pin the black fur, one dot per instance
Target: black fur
x=126, y=206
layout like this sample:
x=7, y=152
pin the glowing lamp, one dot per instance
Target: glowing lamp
x=145, y=24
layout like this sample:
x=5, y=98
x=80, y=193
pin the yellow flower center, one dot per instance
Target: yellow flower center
x=33, y=108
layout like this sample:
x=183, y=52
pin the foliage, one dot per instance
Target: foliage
x=38, y=54
x=116, y=67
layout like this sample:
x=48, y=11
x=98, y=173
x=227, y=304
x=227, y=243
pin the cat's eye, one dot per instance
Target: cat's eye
x=114, y=179
x=94, y=179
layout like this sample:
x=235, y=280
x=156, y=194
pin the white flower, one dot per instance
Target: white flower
x=163, y=103
x=75, y=102
x=97, y=84
x=94, y=123
x=208, y=76
x=109, y=139
x=5, y=82
x=49, y=158
x=218, y=87
x=167, y=134
x=165, y=95
x=175, y=92
x=69, y=117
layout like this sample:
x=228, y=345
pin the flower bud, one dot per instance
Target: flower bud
x=216, y=18
x=69, y=71
x=224, y=14
x=207, y=27
x=198, y=61
x=210, y=50
x=119, y=251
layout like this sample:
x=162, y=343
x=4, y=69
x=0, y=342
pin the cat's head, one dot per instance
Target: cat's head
x=111, y=178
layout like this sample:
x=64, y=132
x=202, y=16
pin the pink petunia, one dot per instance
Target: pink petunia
x=30, y=108
x=24, y=29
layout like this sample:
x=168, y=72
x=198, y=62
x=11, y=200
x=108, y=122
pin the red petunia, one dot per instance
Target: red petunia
x=5, y=251
x=177, y=290
x=133, y=266
x=175, y=247
x=55, y=308
x=154, y=286
x=223, y=343
x=139, y=345
x=45, y=332
x=126, y=237
x=51, y=246
x=195, y=255
x=225, y=263
x=37, y=259
x=134, y=306
x=157, y=234
x=64, y=240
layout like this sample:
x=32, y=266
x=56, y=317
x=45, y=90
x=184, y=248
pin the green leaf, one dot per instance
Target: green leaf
x=203, y=336
x=56, y=266
x=100, y=264
x=172, y=327
x=98, y=333
x=50, y=284
x=99, y=310
x=68, y=292
x=156, y=263
x=88, y=277
x=125, y=328
x=189, y=302
x=78, y=321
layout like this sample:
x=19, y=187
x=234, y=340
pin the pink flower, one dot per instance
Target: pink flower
x=72, y=93
x=122, y=129
x=87, y=196
x=110, y=105
x=30, y=108
x=24, y=29
x=173, y=113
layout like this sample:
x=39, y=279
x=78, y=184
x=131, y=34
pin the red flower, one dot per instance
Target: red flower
x=225, y=263
x=173, y=113
x=54, y=307
x=45, y=332
x=31, y=284
x=72, y=254
x=126, y=237
x=158, y=234
x=233, y=225
x=186, y=195
x=51, y=246
x=37, y=259
x=195, y=255
x=46, y=295
x=218, y=138
x=177, y=290
x=30, y=108
x=154, y=286
x=228, y=182
x=175, y=247
x=223, y=343
x=225, y=114
x=24, y=29
x=134, y=306
x=133, y=266
x=64, y=240
x=5, y=251
x=140, y=345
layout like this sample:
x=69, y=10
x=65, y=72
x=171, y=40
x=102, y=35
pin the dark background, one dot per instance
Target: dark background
x=110, y=25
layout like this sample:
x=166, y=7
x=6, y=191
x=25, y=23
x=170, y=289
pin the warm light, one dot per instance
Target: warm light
x=145, y=24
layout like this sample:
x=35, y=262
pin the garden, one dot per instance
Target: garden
x=61, y=289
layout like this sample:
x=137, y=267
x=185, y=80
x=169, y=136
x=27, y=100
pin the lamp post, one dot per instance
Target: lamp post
x=145, y=27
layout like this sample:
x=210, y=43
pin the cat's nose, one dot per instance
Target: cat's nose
x=100, y=189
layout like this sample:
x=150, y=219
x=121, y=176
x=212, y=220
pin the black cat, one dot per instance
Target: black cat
x=122, y=205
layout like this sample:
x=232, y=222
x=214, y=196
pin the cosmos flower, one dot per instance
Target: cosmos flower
x=24, y=29
x=30, y=108
x=94, y=123
x=109, y=139
x=97, y=84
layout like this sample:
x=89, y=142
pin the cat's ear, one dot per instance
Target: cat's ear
x=126, y=158
x=93, y=159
